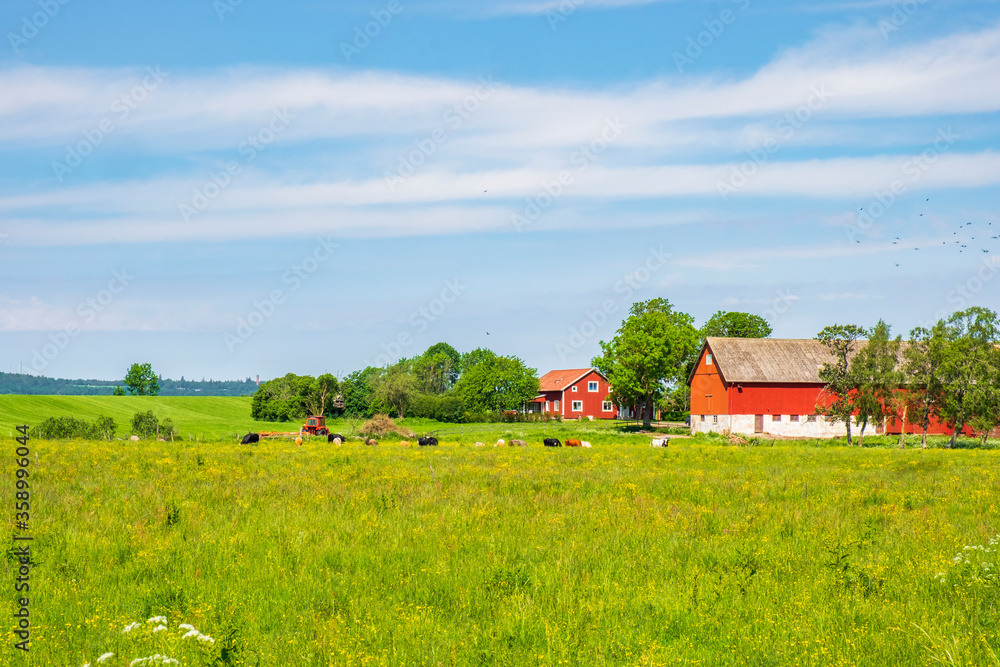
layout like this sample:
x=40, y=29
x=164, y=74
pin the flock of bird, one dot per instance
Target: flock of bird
x=963, y=241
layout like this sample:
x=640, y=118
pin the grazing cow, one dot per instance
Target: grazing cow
x=134, y=438
x=552, y=442
x=518, y=443
x=480, y=444
x=659, y=442
x=371, y=442
x=404, y=443
x=337, y=441
x=335, y=436
x=584, y=443
x=500, y=443
x=429, y=441
x=573, y=443
x=250, y=439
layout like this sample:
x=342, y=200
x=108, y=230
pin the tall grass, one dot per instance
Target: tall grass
x=456, y=555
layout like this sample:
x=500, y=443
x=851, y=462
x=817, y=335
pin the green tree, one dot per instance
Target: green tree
x=142, y=381
x=282, y=399
x=923, y=356
x=437, y=370
x=838, y=395
x=359, y=392
x=145, y=423
x=322, y=392
x=104, y=428
x=972, y=336
x=876, y=376
x=496, y=384
x=650, y=351
x=396, y=387
x=118, y=391
x=736, y=325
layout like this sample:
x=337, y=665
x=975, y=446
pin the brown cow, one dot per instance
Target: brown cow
x=574, y=443
x=518, y=443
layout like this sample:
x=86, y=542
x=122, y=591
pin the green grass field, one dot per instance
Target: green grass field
x=698, y=554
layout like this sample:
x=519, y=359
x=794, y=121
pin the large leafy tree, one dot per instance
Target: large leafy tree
x=493, y=383
x=437, y=370
x=839, y=393
x=322, y=392
x=358, y=390
x=876, y=376
x=650, y=350
x=396, y=387
x=968, y=368
x=282, y=399
x=736, y=325
x=142, y=381
x=922, y=359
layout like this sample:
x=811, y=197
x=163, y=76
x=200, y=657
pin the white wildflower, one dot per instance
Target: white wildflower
x=191, y=633
x=186, y=626
x=205, y=639
x=132, y=626
x=159, y=628
x=104, y=658
x=154, y=660
x=158, y=619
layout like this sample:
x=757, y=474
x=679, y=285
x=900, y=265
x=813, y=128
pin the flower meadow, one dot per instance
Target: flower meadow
x=194, y=553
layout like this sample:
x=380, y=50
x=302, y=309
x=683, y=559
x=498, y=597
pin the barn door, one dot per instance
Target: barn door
x=758, y=424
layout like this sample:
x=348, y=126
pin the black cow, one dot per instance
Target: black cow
x=332, y=436
x=250, y=439
x=429, y=441
x=552, y=442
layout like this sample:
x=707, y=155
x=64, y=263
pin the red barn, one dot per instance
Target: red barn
x=581, y=392
x=766, y=385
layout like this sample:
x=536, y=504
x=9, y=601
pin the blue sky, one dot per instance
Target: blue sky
x=226, y=189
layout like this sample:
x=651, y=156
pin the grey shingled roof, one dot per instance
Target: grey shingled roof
x=769, y=360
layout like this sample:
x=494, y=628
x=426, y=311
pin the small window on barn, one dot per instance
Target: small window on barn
x=776, y=418
x=574, y=389
x=577, y=406
x=793, y=418
x=708, y=359
x=606, y=407
x=715, y=419
x=591, y=386
x=703, y=417
x=811, y=418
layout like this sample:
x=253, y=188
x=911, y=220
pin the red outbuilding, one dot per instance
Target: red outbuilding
x=580, y=392
x=772, y=386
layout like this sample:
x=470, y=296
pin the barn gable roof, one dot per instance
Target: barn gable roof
x=769, y=360
x=559, y=380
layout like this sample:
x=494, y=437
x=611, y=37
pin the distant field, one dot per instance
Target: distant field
x=698, y=554
x=198, y=416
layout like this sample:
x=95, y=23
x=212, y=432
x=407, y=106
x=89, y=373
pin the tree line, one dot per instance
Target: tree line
x=949, y=372
x=440, y=384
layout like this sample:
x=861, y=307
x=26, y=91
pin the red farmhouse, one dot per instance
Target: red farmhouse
x=581, y=392
x=745, y=385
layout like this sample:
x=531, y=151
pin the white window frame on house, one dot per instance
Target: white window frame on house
x=715, y=419
x=593, y=385
x=793, y=418
x=574, y=389
x=556, y=406
x=546, y=406
x=607, y=407
x=577, y=406
x=811, y=418
x=708, y=359
x=776, y=418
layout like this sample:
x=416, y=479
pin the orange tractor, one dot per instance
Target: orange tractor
x=315, y=425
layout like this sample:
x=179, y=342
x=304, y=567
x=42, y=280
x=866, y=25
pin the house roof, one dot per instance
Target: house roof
x=559, y=380
x=770, y=360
